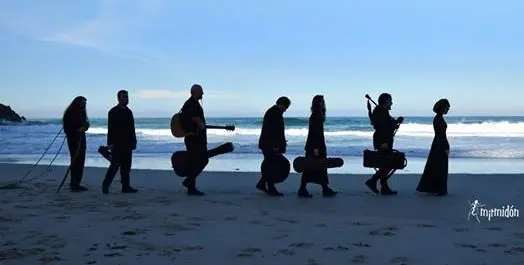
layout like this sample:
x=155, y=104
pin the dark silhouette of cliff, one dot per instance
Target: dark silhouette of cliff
x=7, y=114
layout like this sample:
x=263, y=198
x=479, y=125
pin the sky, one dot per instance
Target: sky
x=248, y=53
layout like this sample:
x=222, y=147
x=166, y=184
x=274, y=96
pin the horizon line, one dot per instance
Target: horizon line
x=260, y=117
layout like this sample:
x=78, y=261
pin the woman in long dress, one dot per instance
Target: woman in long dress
x=434, y=180
x=316, y=147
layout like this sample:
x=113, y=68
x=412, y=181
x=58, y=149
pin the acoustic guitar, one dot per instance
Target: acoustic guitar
x=178, y=131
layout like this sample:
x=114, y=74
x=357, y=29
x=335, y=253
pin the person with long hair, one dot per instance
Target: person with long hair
x=435, y=176
x=76, y=123
x=316, y=147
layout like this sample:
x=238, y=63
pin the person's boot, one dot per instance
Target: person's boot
x=385, y=190
x=304, y=193
x=77, y=188
x=372, y=184
x=328, y=192
x=105, y=189
x=128, y=189
x=262, y=185
x=272, y=190
x=193, y=191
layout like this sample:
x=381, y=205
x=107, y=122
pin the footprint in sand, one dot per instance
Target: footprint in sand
x=362, y=245
x=400, y=260
x=133, y=216
x=360, y=223
x=194, y=224
x=385, y=231
x=133, y=232
x=7, y=219
x=515, y=250
x=248, y=252
x=471, y=247
x=264, y=213
x=425, y=225
x=279, y=237
x=301, y=245
x=285, y=220
x=497, y=245
x=177, y=227
x=359, y=259
x=312, y=262
x=285, y=252
x=192, y=247
x=121, y=204
x=114, y=254
x=337, y=248
x=49, y=259
x=63, y=217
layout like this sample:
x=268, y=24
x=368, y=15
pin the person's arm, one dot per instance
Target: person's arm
x=111, y=128
x=315, y=131
x=72, y=123
x=440, y=134
x=190, y=111
x=381, y=123
x=133, y=131
x=276, y=138
x=85, y=120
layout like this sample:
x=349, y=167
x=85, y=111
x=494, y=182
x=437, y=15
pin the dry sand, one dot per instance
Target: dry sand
x=236, y=224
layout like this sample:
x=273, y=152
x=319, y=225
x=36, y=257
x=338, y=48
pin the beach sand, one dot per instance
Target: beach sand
x=236, y=224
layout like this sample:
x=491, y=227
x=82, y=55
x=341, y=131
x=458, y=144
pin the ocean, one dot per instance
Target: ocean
x=478, y=144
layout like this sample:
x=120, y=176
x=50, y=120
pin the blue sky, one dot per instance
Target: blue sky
x=247, y=53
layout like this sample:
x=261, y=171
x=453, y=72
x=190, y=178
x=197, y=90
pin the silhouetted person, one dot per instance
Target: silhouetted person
x=75, y=124
x=316, y=147
x=435, y=176
x=385, y=127
x=272, y=141
x=121, y=138
x=194, y=124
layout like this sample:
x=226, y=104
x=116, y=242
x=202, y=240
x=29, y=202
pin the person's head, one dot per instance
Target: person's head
x=385, y=100
x=197, y=91
x=123, y=97
x=441, y=107
x=318, y=105
x=78, y=105
x=283, y=103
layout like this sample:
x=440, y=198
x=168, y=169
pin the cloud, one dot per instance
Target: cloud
x=109, y=28
x=170, y=94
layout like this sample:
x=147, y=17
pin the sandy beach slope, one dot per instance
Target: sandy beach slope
x=236, y=224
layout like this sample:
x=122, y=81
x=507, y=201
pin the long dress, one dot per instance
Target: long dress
x=435, y=176
x=316, y=140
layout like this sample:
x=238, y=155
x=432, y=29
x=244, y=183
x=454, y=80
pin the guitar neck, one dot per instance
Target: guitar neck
x=215, y=127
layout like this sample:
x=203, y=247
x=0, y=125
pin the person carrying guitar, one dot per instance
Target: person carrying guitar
x=385, y=127
x=194, y=124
